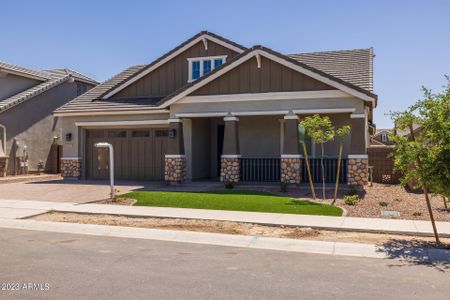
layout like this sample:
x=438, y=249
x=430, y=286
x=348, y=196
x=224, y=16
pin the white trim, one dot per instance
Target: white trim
x=284, y=62
x=281, y=135
x=260, y=113
x=175, y=120
x=230, y=156
x=237, y=113
x=357, y=156
x=70, y=158
x=122, y=123
x=258, y=61
x=190, y=60
x=174, y=155
x=3, y=142
x=110, y=112
x=354, y=116
x=291, y=117
x=291, y=156
x=200, y=115
x=381, y=146
x=230, y=119
x=323, y=111
x=169, y=57
x=305, y=95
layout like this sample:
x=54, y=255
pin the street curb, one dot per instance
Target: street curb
x=217, y=239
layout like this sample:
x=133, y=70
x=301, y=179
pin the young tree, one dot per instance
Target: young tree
x=341, y=133
x=321, y=130
x=424, y=157
x=302, y=134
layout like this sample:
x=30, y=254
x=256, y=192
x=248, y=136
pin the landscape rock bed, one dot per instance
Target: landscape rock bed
x=228, y=227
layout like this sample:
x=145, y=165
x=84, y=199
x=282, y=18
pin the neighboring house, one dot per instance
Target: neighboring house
x=381, y=137
x=29, y=133
x=211, y=108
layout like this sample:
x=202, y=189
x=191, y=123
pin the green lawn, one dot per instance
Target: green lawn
x=238, y=200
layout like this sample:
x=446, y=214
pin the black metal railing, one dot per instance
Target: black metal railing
x=330, y=166
x=260, y=169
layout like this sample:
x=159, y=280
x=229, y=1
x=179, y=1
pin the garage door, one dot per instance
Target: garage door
x=138, y=153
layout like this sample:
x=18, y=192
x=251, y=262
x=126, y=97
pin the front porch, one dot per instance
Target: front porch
x=240, y=147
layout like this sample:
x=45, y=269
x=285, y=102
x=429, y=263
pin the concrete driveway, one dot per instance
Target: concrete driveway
x=79, y=191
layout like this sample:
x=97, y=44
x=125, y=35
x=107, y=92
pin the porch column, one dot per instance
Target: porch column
x=175, y=159
x=358, y=160
x=291, y=157
x=230, y=160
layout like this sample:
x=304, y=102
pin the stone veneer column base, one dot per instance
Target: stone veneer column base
x=358, y=171
x=175, y=168
x=230, y=169
x=70, y=167
x=3, y=161
x=291, y=170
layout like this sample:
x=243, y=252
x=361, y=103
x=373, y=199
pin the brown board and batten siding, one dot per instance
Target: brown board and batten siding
x=173, y=74
x=271, y=77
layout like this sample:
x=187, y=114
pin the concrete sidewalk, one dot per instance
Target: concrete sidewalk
x=12, y=209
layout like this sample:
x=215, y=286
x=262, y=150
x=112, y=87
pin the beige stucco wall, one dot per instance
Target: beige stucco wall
x=12, y=84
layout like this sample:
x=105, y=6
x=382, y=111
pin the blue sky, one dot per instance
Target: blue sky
x=100, y=38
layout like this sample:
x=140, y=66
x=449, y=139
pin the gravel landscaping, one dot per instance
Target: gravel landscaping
x=235, y=228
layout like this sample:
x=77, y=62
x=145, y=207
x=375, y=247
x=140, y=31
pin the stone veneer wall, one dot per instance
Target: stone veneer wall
x=70, y=167
x=358, y=171
x=3, y=161
x=175, y=169
x=291, y=170
x=230, y=169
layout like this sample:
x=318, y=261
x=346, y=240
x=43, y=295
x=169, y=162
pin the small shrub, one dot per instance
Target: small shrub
x=417, y=214
x=398, y=200
x=352, y=190
x=284, y=186
x=351, y=199
x=229, y=184
x=383, y=204
x=51, y=211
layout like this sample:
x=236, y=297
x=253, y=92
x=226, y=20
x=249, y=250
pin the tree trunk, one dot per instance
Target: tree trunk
x=311, y=184
x=445, y=201
x=430, y=211
x=323, y=175
x=337, y=174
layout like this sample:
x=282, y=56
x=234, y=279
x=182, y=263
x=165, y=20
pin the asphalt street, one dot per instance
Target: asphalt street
x=43, y=265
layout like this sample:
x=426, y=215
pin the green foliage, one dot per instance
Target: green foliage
x=383, y=204
x=424, y=155
x=351, y=199
x=342, y=132
x=417, y=214
x=319, y=128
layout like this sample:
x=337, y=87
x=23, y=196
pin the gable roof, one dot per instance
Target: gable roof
x=201, y=36
x=338, y=67
x=49, y=80
x=354, y=66
x=91, y=99
x=283, y=59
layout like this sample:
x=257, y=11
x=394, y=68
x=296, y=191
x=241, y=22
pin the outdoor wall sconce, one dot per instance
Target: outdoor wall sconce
x=172, y=133
x=68, y=137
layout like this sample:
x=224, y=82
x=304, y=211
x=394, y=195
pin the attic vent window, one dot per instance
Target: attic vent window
x=200, y=66
x=384, y=137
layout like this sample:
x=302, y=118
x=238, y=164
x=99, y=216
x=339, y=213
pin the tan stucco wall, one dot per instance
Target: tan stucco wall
x=13, y=84
x=32, y=124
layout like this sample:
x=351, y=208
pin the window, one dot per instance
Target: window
x=201, y=66
x=195, y=70
x=206, y=67
x=384, y=137
x=140, y=133
x=117, y=133
x=162, y=133
x=217, y=63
